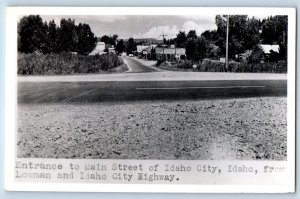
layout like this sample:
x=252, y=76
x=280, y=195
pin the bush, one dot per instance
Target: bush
x=242, y=67
x=212, y=66
x=159, y=62
x=256, y=55
x=272, y=67
x=65, y=63
x=185, y=64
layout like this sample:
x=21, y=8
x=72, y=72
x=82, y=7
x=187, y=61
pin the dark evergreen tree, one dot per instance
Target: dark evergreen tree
x=113, y=39
x=105, y=39
x=196, y=49
x=32, y=34
x=256, y=55
x=120, y=46
x=191, y=49
x=52, y=37
x=274, y=31
x=181, y=39
x=192, y=34
x=86, y=39
x=67, y=36
x=252, y=36
x=131, y=46
x=237, y=32
x=202, y=48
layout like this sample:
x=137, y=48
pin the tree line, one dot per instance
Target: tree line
x=36, y=35
x=244, y=34
x=120, y=45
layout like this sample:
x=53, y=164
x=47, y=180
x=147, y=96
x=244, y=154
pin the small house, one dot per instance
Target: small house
x=169, y=54
x=99, y=49
x=269, y=48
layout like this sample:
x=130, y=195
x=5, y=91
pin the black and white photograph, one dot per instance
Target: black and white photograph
x=152, y=87
x=170, y=87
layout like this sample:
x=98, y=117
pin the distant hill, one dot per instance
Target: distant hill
x=141, y=40
x=147, y=40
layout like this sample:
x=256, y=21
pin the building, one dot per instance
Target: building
x=265, y=56
x=169, y=54
x=99, y=49
x=111, y=50
x=144, y=50
x=141, y=48
x=269, y=49
x=243, y=56
x=270, y=52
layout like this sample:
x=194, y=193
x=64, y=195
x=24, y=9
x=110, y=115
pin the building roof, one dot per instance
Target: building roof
x=140, y=48
x=100, y=46
x=170, y=51
x=267, y=48
x=99, y=49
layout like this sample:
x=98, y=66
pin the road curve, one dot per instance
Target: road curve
x=137, y=67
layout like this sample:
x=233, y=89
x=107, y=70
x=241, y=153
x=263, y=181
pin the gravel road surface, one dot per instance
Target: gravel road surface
x=227, y=129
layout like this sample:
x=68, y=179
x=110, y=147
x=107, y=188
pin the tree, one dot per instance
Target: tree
x=67, y=36
x=191, y=49
x=214, y=40
x=120, y=46
x=237, y=32
x=202, y=48
x=274, y=31
x=32, y=34
x=152, y=54
x=282, y=51
x=196, y=49
x=192, y=34
x=52, y=37
x=252, y=36
x=213, y=51
x=86, y=39
x=131, y=46
x=113, y=39
x=105, y=39
x=181, y=39
x=164, y=41
x=44, y=48
x=211, y=35
x=170, y=41
x=256, y=55
x=36, y=35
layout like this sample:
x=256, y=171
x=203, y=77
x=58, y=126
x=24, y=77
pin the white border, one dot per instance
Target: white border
x=12, y=14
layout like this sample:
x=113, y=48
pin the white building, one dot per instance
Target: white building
x=99, y=49
x=140, y=48
x=268, y=48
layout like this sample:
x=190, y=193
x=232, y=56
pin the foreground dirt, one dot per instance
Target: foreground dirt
x=233, y=129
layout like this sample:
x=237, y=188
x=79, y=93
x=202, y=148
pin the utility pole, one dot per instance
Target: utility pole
x=227, y=38
x=175, y=52
x=163, y=35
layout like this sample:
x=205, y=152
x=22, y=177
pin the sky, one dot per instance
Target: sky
x=142, y=26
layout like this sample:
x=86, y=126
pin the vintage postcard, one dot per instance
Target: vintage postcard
x=165, y=99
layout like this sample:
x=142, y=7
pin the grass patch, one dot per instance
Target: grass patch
x=216, y=66
x=66, y=63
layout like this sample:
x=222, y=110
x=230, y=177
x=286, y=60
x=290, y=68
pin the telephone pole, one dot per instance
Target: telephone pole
x=163, y=35
x=227, y=38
